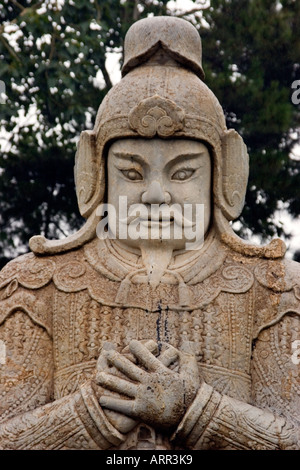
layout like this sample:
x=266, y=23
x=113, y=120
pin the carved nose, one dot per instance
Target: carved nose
x=155, y=195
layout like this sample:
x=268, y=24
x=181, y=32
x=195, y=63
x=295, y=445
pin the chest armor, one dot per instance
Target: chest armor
x=213, y=316
x=85, y=298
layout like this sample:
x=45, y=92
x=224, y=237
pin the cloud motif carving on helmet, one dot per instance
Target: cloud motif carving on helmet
x=156, y=116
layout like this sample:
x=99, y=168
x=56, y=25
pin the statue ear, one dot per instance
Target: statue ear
x=85, y=171
x=235, y=172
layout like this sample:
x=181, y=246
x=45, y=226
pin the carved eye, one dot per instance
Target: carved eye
x=182, y=175
x=132, y=175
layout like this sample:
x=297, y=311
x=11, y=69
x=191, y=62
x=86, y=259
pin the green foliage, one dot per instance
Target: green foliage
x=50, y=54
x=251, y=57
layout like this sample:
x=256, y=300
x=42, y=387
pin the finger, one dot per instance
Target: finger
x=152, y=346
x=125, y=365
x=169, y=356
x=188, y=362
x=188, y=367
x=149, y=344
x=123, y=423
x=102, y=360
x=117, y=404
x=145, y=357
x=111, y=382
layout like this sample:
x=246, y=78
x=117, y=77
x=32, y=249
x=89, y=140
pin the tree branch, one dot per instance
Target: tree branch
x=10, y=50
x=189, y=12
x=34, y=7
x=98, y=10
x=18, y=5
x=52, y=47
x=106, y=77
x=59, y=228
x=135, y=13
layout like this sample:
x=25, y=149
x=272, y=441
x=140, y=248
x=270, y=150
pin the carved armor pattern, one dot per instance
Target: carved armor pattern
x=220, y=331
x=274, y=388
x=27, y=372
x=208, y=329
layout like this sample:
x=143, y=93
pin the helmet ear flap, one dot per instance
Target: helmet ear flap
x=235, y=172
x=85, y=171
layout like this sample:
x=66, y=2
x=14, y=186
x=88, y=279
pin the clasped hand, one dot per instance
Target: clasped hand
x=148, y=389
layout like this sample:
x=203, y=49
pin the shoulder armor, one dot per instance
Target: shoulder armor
x=29, y=272
x=36, y=309
x=282, y=280
x=279, y=275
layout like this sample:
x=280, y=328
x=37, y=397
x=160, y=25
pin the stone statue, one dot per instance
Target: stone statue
x=116, y=342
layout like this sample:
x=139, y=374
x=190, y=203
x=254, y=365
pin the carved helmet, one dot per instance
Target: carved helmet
x=162, y=94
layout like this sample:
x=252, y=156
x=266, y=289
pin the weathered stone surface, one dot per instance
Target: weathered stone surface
x=124, y=343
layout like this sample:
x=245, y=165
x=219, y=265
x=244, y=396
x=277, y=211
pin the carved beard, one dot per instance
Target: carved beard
x=156, y=260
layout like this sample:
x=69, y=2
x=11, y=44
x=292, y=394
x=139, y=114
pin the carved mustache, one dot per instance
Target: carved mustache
x=173, y=215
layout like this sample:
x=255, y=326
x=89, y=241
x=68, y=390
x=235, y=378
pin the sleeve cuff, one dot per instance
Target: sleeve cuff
x=105, y=430
x=198, y=416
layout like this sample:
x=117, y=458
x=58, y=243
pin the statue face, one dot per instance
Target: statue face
x=160, y=174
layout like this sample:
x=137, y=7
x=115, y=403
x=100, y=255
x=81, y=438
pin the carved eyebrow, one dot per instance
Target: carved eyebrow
x=184, y=157
x=130, y=156
x=139, y=158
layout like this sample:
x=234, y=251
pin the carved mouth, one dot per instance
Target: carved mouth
x=162, y=219
x=158, y=220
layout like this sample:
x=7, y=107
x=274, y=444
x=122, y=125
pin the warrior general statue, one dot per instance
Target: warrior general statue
x=153, y=342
